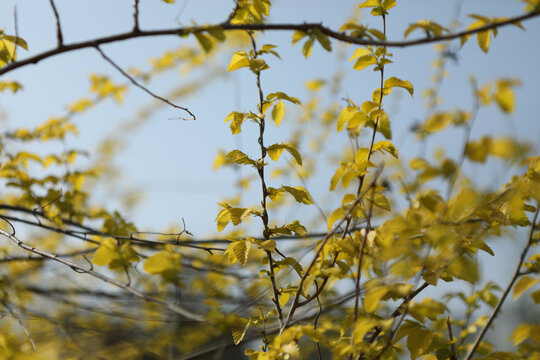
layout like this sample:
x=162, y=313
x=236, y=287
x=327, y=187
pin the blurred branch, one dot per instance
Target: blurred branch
x=79, y=269
x=497, y=308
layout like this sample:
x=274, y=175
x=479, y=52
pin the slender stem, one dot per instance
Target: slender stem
x=264, y=190
x=497, y=308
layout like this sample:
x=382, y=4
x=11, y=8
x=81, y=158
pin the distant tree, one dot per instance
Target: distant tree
x=81, y=281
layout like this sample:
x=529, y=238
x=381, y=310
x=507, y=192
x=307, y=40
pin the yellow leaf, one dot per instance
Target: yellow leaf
x=523, y=285
x=308, y=47
x=520, y=334
x=395, y=82
x=239, y=60
x=361, y=327
x=238, y=332
x=106, y=253
x=364, y=62
x=238, y=251
x=483, y=38
x=345, y=116
x=360, y=52
x=277, y=112
x=338, y=214
x=536, y=296
x=274, y=151
x=419, y=341
x=387, y=146
x=369, y=3
x=374, y=294
x=299, y=193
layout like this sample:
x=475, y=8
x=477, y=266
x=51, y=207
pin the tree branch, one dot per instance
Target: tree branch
x=183, y=31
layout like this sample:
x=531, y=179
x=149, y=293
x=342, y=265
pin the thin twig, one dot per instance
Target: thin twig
x=136, y=16
x=340, y=36
x=137, y=84
x=497, y=308
x=59, y=36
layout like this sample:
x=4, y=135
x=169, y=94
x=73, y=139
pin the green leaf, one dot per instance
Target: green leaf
x=277, y=112
x=523, y=285
x=395, y=82
x=204, y=41
x=258, y=65
x=323, y=39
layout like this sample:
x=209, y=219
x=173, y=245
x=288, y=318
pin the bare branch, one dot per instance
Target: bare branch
x=136, y=83
x=340, y=36
x=136, y=16
x=59, y=36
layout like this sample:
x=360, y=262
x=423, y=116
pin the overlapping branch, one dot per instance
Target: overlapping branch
x=90, y=271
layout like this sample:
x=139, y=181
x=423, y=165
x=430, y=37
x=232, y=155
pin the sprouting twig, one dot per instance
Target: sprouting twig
x=136, y=83
x=59, y=36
